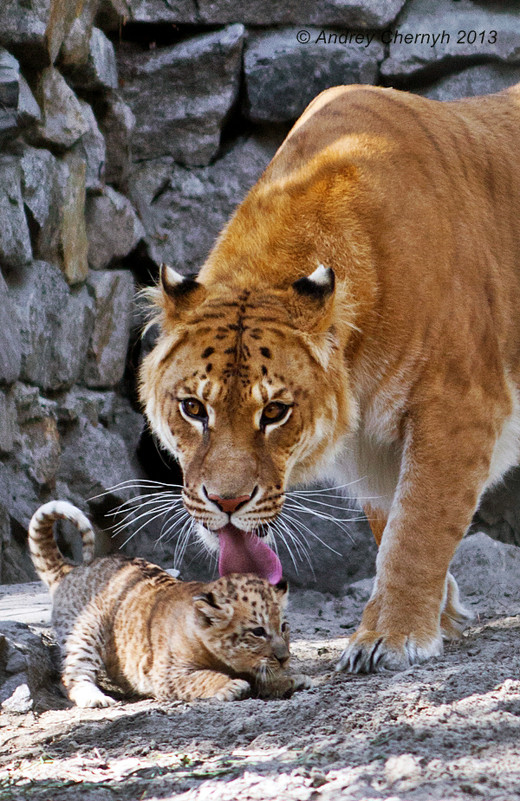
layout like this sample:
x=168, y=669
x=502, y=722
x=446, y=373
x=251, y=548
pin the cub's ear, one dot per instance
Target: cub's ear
x=212, y=613
x=318, y=286
x=282, y=591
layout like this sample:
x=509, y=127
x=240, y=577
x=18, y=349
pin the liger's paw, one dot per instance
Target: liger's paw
x=233, y=691
x=372, y=651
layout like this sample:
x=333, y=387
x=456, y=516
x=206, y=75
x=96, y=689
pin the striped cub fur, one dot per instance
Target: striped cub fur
x=131, y=622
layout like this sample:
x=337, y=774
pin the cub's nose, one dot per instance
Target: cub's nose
x=229, y=505
x=280, y=650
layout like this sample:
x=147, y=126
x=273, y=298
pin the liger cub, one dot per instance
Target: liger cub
x=153, y=635
x=357, y=321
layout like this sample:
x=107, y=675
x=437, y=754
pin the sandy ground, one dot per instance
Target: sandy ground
x=449, y=729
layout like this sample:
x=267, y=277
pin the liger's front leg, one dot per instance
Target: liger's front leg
x=445, y=466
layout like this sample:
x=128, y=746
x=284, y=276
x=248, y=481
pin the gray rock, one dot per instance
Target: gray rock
x=28, y=667
x=63, y=122
x=91, y=148
x=38, y=175
x=18, y=108
x=184, y=209
x=487, y=575
x=34, y=30
x=55, y=324
x=39, y=450
x=9, y=94
x=30, y=405
x=117, y=123
x=98, y=71
x=17, y=694
x=181, y=95
x=94, y=460
x=159, y=11
x=15, y=240
x=414, y=53
x=73, y=241
x=28, y=109
x=480, y=80
x=76, y=45
x=113, y=292
x=282, y=76
x=499, y=512
x=11, y=350
x=54, y=193
x=112, y=14
x=7, y=422
x=352, y=13
x=21, y=500
x=113, y=228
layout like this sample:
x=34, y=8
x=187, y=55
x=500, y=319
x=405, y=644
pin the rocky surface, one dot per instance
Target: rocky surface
x=447, y=729
x=282, y=76
x=181, y=95
x=464, y=31
x=129, y=131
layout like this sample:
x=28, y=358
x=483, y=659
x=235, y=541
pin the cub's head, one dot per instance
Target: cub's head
x=240, y=621
x=246, y=388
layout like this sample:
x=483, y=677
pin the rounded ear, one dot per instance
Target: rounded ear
x=318, y=285
x=179, y=291
x=211, y=612
x=282, y=591
x=311, y=302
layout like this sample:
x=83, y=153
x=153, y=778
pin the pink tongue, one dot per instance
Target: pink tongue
x=244, y=552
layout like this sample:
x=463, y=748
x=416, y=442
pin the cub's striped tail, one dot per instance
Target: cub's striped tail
x=47, y=559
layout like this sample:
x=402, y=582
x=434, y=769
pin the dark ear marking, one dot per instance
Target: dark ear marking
x=176, y=285
x=208, y=598
x=282, y=585
x=318, y=285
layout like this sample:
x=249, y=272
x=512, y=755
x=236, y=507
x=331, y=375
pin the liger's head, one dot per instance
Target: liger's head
x=243, y=387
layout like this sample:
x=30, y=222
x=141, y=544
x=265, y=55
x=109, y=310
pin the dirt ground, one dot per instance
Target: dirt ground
x=449, y=729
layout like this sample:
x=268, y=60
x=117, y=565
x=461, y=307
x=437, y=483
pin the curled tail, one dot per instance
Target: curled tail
x=47, y=559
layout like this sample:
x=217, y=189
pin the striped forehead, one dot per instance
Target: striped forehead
x=234, y=346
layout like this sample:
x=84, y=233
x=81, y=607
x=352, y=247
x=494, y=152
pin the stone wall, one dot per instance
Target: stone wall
x=129, y=130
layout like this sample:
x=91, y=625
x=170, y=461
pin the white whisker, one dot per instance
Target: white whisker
x=297, y=521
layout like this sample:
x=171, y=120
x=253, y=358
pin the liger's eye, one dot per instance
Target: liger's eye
x=194, y=408
x=274, y=412
x=259, y=631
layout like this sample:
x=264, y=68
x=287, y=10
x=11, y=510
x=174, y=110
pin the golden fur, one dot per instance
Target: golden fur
x=403, y=379
x=131, y=622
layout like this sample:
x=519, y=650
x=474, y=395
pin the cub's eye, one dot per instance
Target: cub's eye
x=194, y=408
x=274, y=412
x=259, y=631
x=285, y=627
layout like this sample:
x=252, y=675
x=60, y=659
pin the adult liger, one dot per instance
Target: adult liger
x=356, y=320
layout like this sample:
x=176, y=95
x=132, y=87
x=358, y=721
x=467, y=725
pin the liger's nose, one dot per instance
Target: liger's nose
x=229, y=505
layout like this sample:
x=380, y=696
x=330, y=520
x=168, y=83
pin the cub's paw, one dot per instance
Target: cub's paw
x=233, y=691
x=301, y=682
x=284, y=686
x=87, y=695
x=372, y=652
